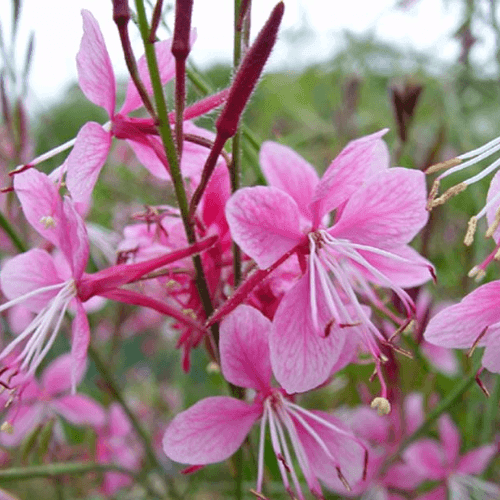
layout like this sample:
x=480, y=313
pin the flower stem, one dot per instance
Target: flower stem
x=114, y=390
x=59, y=469
x=11, y=233
x=170, y=150
x=446, y=403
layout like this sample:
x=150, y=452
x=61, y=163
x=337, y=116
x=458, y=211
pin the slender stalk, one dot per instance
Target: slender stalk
x=59, y=469
x=170, y=150
x=114, y=390
x=444, y=405
x=11, y=233
x=180, y=50
x=121, y=17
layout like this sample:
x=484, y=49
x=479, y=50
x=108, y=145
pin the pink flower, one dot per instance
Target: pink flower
x=48, y=286
x=377, y=212
x=42, y=401
x=475, y=321
x=442, y=462
x=116, y=444
x=214, y=428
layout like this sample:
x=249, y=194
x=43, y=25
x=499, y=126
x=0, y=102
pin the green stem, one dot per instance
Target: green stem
x=113, y=388
x=4, y=223
x=446, y=403
x=171, y=152
x=490, y=413
x=59, y=469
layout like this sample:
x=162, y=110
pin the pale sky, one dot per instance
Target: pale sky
x=427, y=25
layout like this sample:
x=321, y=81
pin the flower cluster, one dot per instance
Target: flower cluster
x=286, y=286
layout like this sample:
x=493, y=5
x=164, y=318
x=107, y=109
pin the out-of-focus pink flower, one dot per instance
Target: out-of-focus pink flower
x=116, y=444
x=41, y=401
x=441, y=461
x=214, y=428
x=377, y=212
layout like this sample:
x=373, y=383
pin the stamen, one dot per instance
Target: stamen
x=7, y=427
x=432, y=194
x=476, y=342
x=477, y=273
x=479, y=382
x=471, y=229
x=382, y=405
x=48, y=221
x=494, y=226
x=343, y=480
x=450, y=193
x=260, y=467
x=443, y=165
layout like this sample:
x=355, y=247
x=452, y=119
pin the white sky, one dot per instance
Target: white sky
x=425, y=26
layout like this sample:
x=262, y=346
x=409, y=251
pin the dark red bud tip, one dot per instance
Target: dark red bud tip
x=248, y=73
x=182, y=29
x=121, y=14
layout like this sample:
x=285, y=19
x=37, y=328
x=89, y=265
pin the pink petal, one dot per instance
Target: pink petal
x=210, y=431
x=427, y=458
x=301, y=357
x=85, y=161
x=414, y=272
x=80, y=410
x=460, y=325
x=30, y=271
x=95, y=73
x=264, y=222
x=80, y=339
x=476, y=460
x=346, y=452
x=491, y=356
x=56, y=377
x=403, y=477
x=413, y=412
x=244, y=348
x=450, y=439
x=26, y=419
x=442, y=359
x=166, y=64
x=39, y=199
x=74, y=241
x=288, y=171
x=119, y=423
x=387, y=211
x=493, y=191
x=149, y=159
x=355, y=163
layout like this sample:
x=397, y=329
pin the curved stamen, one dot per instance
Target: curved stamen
x=260, y=467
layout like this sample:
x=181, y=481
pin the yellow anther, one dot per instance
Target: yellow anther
x=7, y=428
x=494, y=225
x=453, y=191
x=382, y=405
x=213, y=367
x=477, y=273
x=443, y=165
x=432, y=194
x=471, y=229
x=190, y=313
x=48, y=221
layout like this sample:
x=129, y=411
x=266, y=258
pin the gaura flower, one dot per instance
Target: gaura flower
x=215, y=427
x=48, y=286
x=473, y=322
x=377, y=211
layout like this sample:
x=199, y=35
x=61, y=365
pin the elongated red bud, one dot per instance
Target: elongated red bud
x=121, y=14
x=248, y=74
x=182, y=29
